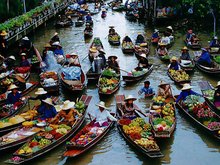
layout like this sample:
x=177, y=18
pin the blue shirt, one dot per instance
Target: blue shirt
x=185, y=56
x=146, y=91
x=11, y=99
x=184, y=94
x=58, y=51
x=174, y=66
x=88, y=18
x=47, y=112
x=155, y=35
x=214, y=43
x=205, y=57
x=24, y=63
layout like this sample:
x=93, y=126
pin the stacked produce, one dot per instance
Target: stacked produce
x=209, y=94
x=34, y=59
x=85, y=136
x=179, y=75
x=158, y=100
x=113, y=38
x=49, y=78
x=128, y=45
x=140, y=132
x=18, y=118
x=217, y=59
x=97, y=42
x=7, y=81
x=109, y=72
x=199, y=109
x=139, y=72
x=80, y=106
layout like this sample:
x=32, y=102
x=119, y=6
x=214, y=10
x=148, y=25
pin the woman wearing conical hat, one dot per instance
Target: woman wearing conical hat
x=14, y=96
x=47, y=110
x=164, y=90
x=185, y=54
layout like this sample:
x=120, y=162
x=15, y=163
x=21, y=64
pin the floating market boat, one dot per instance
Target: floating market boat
x=180, y=77
x=49, y=80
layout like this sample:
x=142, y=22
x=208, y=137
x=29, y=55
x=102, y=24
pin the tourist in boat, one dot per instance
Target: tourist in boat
x=155, y=36
x=162, y=50
x=112, y=63
x=67, y=114
x=143, y=61
x=3, y=43
x=47, y=110
x=217, y=96
x=147, y=90
x=47, y=48
x=185, y=54
x=164, y=90
x=174, y=64
x=41, y=95
x=214, y=42
x=101, y=116
x=140, y=39
x=111, y=30
x=55, y=38
x=128, y=107
x=14, y=96
x=205, y=58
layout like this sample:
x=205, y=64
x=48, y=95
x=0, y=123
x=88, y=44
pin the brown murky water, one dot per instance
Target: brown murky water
x=188, y=145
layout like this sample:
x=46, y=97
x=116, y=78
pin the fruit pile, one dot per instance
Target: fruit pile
x=148, y=144
x=138, y=73
x=127, y=45
x=168, y=110
x=115, y=37
x=109, y=73
x=80, y=106
x=162, y=124
x=209, y=94
x=179, y=75
x=34, y=59
x=159, y=100
x=7, y=81
x=108, y=83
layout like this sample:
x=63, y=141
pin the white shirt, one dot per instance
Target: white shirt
x=103, y=116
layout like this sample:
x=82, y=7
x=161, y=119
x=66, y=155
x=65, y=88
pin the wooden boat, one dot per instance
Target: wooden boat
x=74, y=149
x=127, y=49
x=8, y=110
x=97, y=43
x=215, y=70
x=179, y=82
x=148, y=152
x=88, y=34
x=138, y=50
x=23, y=158
x=31, y=86
x=74, y=85
x=114, y=39
x=208, y=92
x=112, y=87
x=187, y=65
x=49, y=80
x=92, y=76
x=17, y=137
x=193, y=45
x=79, y=23
x=169, y=119
x=130, y=78
x=163, y=58
x=28, y=115
x=64, y=23
x=213, y=132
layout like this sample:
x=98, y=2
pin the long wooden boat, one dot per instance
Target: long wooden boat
x=140, y=49
x=209, y=70
x=65, y=23
x=164, y=117
x=79, y=23
x=114, y=40
x=200, y=124
x=31, y=86
x=163, y=58
x=187, y=66
x=130, y=78
x=97, y=43
x=29, y=115
x=49, y=80
x=148, y=152
x=76, y=148
x=208, y=92
x=92, y=76
x=103, y=90
x=194, y=46
x=23, y=158
x=88, y=34
x=127, y=49
x=179, y=82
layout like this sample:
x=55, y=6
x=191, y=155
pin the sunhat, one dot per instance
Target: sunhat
x=67, y=105
x=48, y=101
x=40, y=91
x=186, y=86
x=130, y=97
x=101, y=104
x=12, y=86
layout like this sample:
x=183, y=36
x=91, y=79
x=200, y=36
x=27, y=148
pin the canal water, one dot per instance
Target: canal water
x=188, y=145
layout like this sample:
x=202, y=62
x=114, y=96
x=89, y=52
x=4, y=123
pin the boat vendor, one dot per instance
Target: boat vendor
x=164, y=90
x=127, y=39
x=112, y=63
x=185, y=54
x=174, y=64
x=3, y=43
x=217, y=96
x=21, y=82
x=47, y=48
x=140, y=39
x=143, y=61
x=14, y=96
x=186, y=91
x=93, y=52
x=111, y=30
x=162, y=50
x=204, y=58
x=102, y=115
x=88, y=18
x=55, y=38
x=67, y=114
x=169, y=31
x=189, y=36
x=147, y=90
x=214, y=42
x=41, y=95
x=58, y=50
x=155, y=36
x=88, y=28
x=9, y=62
x=102, y=56
x=24, y=62
x=47, y=110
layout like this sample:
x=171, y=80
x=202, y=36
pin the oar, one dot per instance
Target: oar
x=119, y=69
